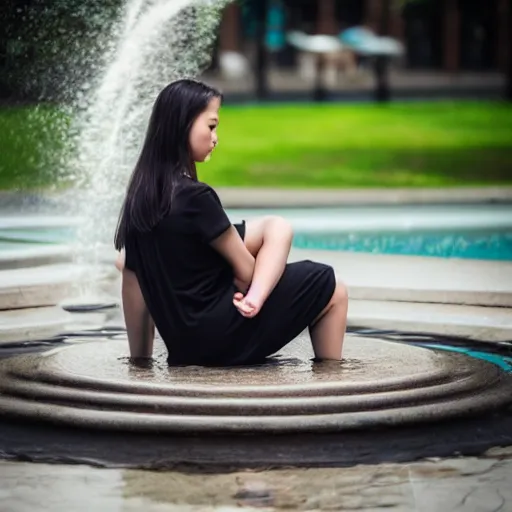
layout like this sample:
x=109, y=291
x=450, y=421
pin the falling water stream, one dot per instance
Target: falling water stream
x=154, y=43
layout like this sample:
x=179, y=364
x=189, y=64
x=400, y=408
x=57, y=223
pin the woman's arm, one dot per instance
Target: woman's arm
x=270, y=239
x=271, y=259
x=139, y=324
x=232, y=247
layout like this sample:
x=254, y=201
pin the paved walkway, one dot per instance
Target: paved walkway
x=234, y=197
x=419, y=279
x=470, y=484
x=12, y=203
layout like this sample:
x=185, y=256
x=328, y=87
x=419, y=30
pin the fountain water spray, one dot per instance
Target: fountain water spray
x=155, y=42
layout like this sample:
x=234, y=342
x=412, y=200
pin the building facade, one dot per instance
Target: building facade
x=443, y=35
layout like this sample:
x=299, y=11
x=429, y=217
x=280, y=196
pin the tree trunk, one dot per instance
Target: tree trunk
x=381, y=66
x=261, y=8
x=508, y=86
x=320, y=91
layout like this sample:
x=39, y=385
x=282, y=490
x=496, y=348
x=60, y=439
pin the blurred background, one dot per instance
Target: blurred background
x=445, y=47
x=318, y=93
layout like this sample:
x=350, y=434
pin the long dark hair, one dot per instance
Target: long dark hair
x=165, y=157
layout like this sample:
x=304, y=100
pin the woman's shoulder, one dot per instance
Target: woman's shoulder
x=194, y=198
x=190, y=190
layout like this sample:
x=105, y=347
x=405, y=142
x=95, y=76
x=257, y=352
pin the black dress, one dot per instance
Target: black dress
x=188, y=287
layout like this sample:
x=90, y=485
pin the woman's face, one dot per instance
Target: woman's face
x=203, y=134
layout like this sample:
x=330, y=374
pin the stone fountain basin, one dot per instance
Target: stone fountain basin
x=380, y=384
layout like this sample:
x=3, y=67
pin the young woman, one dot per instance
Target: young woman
x=219, y=294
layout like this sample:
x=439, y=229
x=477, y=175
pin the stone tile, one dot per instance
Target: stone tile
x=237, y=197
x=300, y=489
x=48, y=285
x=462, y=484
x=34, y=256
x=35, y=324
x=470, y=484
x=26, y=487
x=418, y=279
x=32, y=324
x=242, y=197
x=30, y=487
x=499, y=452
x=471, y=322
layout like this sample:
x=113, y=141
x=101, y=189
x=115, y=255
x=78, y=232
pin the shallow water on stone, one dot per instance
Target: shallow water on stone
x=294, y=365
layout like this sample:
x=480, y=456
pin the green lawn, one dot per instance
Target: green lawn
x=404, y=144
x=32, y=141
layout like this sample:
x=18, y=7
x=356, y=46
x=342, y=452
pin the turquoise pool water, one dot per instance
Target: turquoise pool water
x=473, y=244
x=23, y=236
x=504, y=362
x=487, y=245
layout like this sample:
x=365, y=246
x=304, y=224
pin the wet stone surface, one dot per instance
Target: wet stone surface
x=468, y=484
x=366, y=361
x=380, y=383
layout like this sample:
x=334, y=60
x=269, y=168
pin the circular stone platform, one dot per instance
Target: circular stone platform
x=380, y=383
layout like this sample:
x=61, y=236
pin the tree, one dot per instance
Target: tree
x=383, y=91
x=261, y=9
x=508, y=87
x=48, y=46
x=508, y=64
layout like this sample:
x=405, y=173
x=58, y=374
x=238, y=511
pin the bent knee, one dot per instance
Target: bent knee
x=340, y=295
x=277, y=222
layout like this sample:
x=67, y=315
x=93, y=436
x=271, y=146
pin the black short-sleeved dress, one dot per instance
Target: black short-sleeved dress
x=188, y=287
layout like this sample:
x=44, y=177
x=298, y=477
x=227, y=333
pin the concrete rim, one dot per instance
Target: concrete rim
x=401, y=279
x=49, y=285
x=47, y=389
x=259, y=197
x=236, y=197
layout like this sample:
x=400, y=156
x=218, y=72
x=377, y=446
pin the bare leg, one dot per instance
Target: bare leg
x=254, y=230
x=268, y=239
x=328, y=329
x=131, y=278
x=139, y=324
